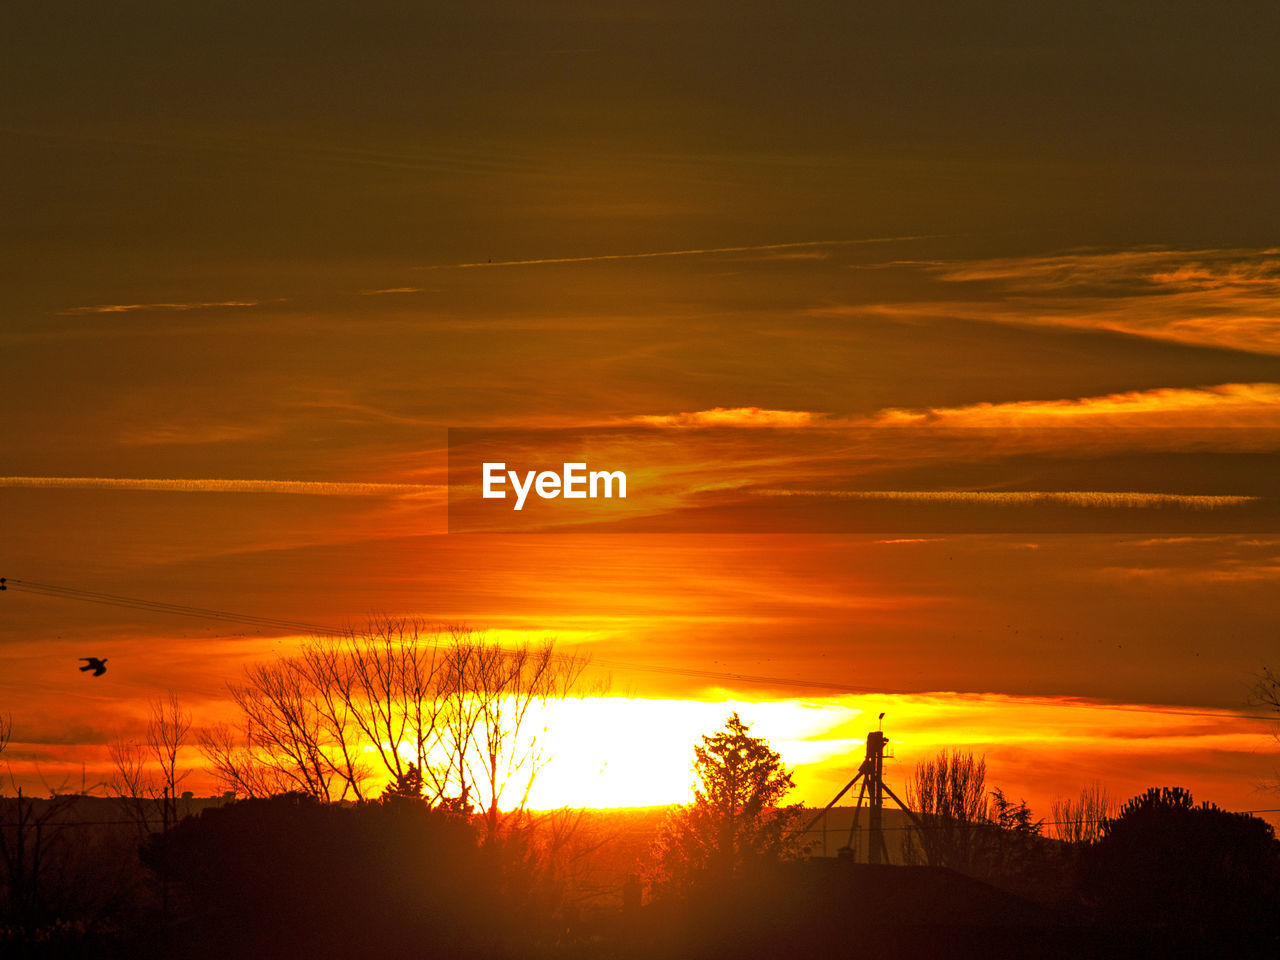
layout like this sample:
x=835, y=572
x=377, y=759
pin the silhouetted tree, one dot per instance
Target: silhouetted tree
x=1080, y=819
x=735, y=822
x=497, y=689
x=1165, y=863
x=949, y=794
x=1012, y=851
x=1266, y=693
x=29, y=827
x=342, y=715
x=408, y=786
x=32, y=851
x=1013, y=816
x=149, y=772
x=965, y=827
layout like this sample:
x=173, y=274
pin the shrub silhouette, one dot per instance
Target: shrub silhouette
x=1165, y=863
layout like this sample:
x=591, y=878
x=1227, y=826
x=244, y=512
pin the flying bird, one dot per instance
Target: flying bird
x=99, y=667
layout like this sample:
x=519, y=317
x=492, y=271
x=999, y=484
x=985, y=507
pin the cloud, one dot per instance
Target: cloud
x=1158, y=269
x=1221, y=405
x=1227, y=404
x=1212, y=297
x=1098, y=453
x=697, y=252
x=732, y=417
x=158, y=307
x=294, y=487
x=1098, y=499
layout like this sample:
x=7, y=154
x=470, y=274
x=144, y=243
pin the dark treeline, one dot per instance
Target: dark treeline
x=412, y=872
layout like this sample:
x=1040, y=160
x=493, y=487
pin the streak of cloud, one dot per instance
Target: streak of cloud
x=732, y=417
x=1158, y=267
x=209, y=485
x=158, y=307
x=1103, y=499
x=1220, y=405
x=1227, y=404
x=1206, y=297
x=697, y=252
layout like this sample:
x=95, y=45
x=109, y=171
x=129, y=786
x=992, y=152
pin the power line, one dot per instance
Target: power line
x=56, y=591
x=156, y=606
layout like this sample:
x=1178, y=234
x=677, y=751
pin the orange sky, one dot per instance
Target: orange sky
x=260, y=264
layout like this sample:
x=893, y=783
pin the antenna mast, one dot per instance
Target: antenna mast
x=873, y=789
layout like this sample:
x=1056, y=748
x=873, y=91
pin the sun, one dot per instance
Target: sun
x=605, y=752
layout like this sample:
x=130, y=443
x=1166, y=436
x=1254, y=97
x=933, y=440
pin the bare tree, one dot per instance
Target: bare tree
x=31, y=837
x=289, y=726
x=30, y=830
x=507, y=685
x=342, y=717
x=167, y=735
x=1266, y=690
x=1079, y=819
x=237, y=766
x=307, y=720
x=1266, y=694
x=950, y=794
x=383, y=688
x=149, y=771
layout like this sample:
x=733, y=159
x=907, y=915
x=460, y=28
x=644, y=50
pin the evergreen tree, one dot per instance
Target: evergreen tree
x=408, y=785
x=735, y=822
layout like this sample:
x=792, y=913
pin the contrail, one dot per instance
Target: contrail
x=676, y=253
x=1106, y=499
x=168, y=307
x=208, y=485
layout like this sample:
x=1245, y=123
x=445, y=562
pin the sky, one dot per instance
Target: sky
x=259, y=260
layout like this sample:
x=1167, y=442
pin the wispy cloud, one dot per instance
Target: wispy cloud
x=732, y=417
x=694, y=252
x=1158, y=269
x=159, y=307
x=213, y=485
x=1220, y=405
x=1099, y=499
x=1227, y=404
x=1210, y=297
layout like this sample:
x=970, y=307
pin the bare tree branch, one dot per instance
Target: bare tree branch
x=149, y=773
x=1079, y=820
x=950, y=794
x=342, y=716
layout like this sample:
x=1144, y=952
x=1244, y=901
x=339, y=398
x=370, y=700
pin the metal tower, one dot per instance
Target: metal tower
x=873, y=790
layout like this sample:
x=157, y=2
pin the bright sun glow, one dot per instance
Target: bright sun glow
x=621, y=752
x=630, y=752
